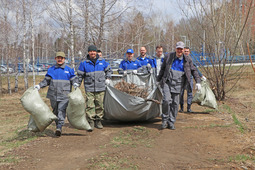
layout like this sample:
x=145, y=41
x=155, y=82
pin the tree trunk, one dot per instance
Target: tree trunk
x=24, y=48
x=86, y=25
x=101, y=27
x=72, y=34
x=33, y=42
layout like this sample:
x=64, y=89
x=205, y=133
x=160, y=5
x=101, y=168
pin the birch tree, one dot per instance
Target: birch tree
x=63, y=14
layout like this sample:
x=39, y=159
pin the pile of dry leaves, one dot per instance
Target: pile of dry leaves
x=132, y=89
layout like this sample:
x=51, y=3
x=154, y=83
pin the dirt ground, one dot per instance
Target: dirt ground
x=206, y=139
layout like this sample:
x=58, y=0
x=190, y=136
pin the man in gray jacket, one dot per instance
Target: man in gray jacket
x=175, y=69
x=96, y=73
x=60, y=79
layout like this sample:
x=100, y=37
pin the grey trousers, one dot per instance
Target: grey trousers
x=189, y=94
x=59, y=109
x=170, y=104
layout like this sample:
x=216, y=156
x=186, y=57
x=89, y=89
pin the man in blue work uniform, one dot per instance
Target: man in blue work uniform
x=129, y=64
x=175, y=69
x=96, y=73
x=60, y=79
x=189, y=86
x=145, y=60
x=157, y=60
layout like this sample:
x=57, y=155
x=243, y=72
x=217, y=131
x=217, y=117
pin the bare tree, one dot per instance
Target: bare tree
x=63, y=15
x=24, y=29
x=6, y=38
x=217, y=27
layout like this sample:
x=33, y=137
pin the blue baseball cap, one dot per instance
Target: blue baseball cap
x=130, y=51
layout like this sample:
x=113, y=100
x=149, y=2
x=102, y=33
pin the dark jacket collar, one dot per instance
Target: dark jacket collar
x=131, y=60
x=97, y=58
x=62, y=66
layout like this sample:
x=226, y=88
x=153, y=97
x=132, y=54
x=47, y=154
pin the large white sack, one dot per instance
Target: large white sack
x=205, y=97
x=76, y=110
x=41, y=113
x=31, y=126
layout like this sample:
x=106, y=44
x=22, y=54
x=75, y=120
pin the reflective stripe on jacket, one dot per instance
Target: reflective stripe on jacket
x=59, y=79
x=94, y=75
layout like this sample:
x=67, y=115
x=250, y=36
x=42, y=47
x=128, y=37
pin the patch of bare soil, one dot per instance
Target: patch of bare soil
x=200, y=141
x=205, y=139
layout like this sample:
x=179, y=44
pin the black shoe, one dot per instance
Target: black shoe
x=89, y=130
x=189, y=111
x=164, y=125
x=58, y=132
x=171, y=126
x=181, y=109
x=98, y=124
x=92, y=125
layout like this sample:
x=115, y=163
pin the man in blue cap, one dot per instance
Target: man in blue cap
x=129, y=64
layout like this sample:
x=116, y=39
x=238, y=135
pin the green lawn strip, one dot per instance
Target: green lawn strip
x=242, y=158
x=241, y=127
x=208, y=126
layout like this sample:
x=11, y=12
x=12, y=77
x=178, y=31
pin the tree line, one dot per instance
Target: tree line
x=33, y=30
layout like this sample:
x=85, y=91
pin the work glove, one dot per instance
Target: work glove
x=198, y=87
x=37, y=87
x=203, y=78
x=135, y=71
x=148, y=66
x=75, y=85
x=157, y=83
x=107, y=82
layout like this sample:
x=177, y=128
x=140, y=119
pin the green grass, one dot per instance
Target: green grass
x=227, y=108
x=22, y=137
x=132, y=137
x=242, y=158
x=9, y=159
x=208, y=126
x=209, y=110
x=238, y=123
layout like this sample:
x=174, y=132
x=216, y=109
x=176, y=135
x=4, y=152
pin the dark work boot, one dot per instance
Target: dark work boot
x=181, y=109
x=92, y=124
x=58, y=132
x=164, y=125
x=98, y=124
x=189, y=109
x=171, y=126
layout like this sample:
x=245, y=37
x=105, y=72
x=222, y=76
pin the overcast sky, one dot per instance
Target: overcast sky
x=169, y=7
